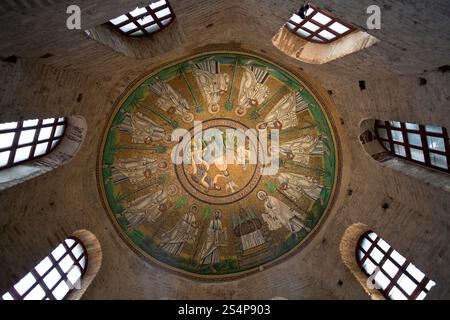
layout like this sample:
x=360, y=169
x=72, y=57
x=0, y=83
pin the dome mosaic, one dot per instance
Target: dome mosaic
x=187, y=193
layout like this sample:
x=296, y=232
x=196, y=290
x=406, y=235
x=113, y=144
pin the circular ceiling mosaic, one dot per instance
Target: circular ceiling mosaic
x=218, y=165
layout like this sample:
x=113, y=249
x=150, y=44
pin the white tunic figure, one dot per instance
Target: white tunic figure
x=295, y=185
x=284, y=114
x=300, y=149
x=252, y=91
x=142, y=128
x=211, y=82
x=171, y=101
x=185, y=231
x=148, y=207
x=135, y=170
x=278, y=215
x=216, y=237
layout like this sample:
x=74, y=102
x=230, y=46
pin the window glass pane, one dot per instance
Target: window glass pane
x=138, y=11
x=434, y=129
x=45, y=133
x=311, y=26
x=327, y=35
x=399, y=150
x=41, y=148
x=321, y=18
x=58, y=252
x=157, y=4
x=74, y=275
x=59, y=131
x=163, y=13
x=7, y=296
x=22, y=154
x=381, y=280
x=369, y=266
x=4, y=157
x=383, y=245
x=316, y=39
x=395, y=124
x=296, y=18
x=60, y=119
x=411, y=126
x=36, y=294
x=302, y=33
x=30, y=123
x=339, y=28
x=416, y=273
x=48, y=121
x=387, y=145
x=407, y=284
x=152, y=28
x=69, y=242
x=382, y=133
x=390, y=268
x=365, y=244
x=414, y=139
x=398, y=257
x=83, y=262
x=8, y=125
x=436, y=143
x=145, y=20
x=66, y=263
x=27, y=136
x=54, y=143
x=430, y=285
x=43, y=266
x=438, y=160
x=128, y=27
x=396, y=294
x=119, y=20
x=138, y=33
x=25, y=283
x=372, y=235
x=77, y=251
x=61, y=290
x=421, y=296
x=376, y=255
x=6, y=139
x=52, y=278
x=397, y=135
x=417, y=155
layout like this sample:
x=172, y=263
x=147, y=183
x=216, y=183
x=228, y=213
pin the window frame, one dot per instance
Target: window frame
x=402, y=268
x=138, y=27
x=38, y=127
x=39, y=279
x=322, y=27
x=381, y=124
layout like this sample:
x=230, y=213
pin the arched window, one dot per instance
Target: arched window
x=423, y=144
x=393, y=275
x=30, y=139
x=318, y=25
x=55, y=276
x=145, y=20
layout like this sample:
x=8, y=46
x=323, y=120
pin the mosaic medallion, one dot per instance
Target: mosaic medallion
x=218, y=165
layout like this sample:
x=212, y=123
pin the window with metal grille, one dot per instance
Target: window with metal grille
x=318, y=26
x=395, y=277
x=145, y=20
x=423, y=144
x=30, y=139
x=55, y=276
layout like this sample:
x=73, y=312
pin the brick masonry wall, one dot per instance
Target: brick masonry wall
x=84, y=77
